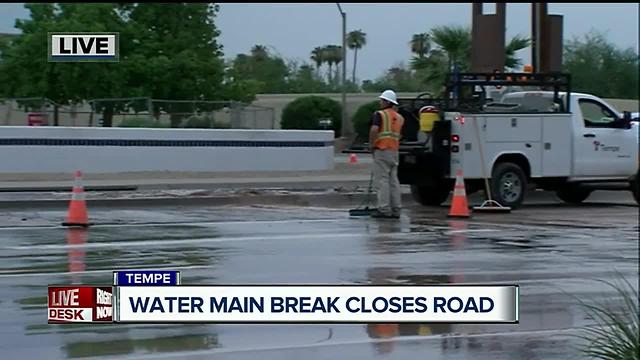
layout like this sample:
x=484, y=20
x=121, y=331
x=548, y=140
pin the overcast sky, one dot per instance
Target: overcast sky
x=293, y=30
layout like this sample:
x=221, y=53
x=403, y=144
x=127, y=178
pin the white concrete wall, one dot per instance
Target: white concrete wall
x=99, y=158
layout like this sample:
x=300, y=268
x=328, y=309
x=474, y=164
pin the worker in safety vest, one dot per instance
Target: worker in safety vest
x=384, y=140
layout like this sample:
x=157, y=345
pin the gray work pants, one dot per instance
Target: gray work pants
x=385, y=177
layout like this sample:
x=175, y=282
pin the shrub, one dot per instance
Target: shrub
x=141, y=122
x=362, y=118
x=617, y=324
x=305, y=112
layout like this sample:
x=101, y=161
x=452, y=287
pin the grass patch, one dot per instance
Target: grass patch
x=615, y=335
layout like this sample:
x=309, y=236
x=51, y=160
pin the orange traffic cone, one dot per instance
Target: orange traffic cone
x=459, y=205
x=77, y=215
x=353, y=159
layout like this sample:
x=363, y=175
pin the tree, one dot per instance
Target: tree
x=328, y=54
x=516, y=44
x=455, y=41
x=305, y=113
x=28, y=73
x=318, y=57
x=167, y=51
x=337, y=57
x=333, y=54
x=599, y=67
x=453, y=47
x=259, y=52
x=420, y=44
x=178, y=56
x=304, y=79
x=399, y=78
x=269, y=71
x=356, y=40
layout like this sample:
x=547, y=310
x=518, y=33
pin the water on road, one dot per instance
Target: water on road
x=555, y=253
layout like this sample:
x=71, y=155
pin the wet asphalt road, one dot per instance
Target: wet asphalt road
x=555, y=252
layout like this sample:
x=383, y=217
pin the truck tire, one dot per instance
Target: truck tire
x=508, y=184
x=430, y=195
x=573, y=195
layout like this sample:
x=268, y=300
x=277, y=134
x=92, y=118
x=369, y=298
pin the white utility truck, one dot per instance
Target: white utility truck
x=543, y=137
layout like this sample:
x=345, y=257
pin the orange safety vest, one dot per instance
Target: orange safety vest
x=390, y=132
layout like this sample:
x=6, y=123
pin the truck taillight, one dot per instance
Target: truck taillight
x=455, y=138
x=460, y=119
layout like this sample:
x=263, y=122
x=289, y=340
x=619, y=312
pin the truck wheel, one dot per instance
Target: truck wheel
x=573, y=195
x=508, y=184
x=430, y=195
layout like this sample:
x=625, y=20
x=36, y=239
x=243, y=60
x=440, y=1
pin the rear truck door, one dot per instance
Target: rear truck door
x=601, y=147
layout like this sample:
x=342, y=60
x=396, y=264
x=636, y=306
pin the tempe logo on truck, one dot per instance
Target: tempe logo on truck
x=601, y=147
x=68, y=304
x=87, y=47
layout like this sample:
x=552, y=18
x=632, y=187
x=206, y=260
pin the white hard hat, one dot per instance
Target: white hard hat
x=390, y=96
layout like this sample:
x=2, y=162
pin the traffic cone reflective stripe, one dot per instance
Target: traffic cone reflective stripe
x=77, y=194
x=77, y=215
x=459, y=204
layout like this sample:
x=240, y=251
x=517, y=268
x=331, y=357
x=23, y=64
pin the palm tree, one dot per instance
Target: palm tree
x=455, y=41
x=318, y=57
x=259, y=52
x=333, y=55
x=337, y=58
x=453, y=46
x=328, y=58
x=355, y=41
x=516, y=44
x=420, y=44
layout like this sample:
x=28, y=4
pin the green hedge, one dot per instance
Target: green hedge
x=362, y=118
x=305, y=112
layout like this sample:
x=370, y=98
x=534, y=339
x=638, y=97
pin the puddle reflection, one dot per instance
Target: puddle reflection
x=187, y=342
x=76, y=239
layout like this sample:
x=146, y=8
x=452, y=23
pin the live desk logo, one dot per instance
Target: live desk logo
x=86, y=47
x=67, y=304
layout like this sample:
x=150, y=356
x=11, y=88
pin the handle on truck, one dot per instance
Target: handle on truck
x=589, y=135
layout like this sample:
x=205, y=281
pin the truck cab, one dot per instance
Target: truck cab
x=604, y=144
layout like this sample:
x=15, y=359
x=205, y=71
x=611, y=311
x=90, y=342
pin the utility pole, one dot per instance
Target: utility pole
x=345, y=122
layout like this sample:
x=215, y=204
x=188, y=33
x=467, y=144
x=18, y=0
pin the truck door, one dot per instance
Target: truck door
x=601, y=147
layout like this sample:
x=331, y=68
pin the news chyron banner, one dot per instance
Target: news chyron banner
x=159, y=297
